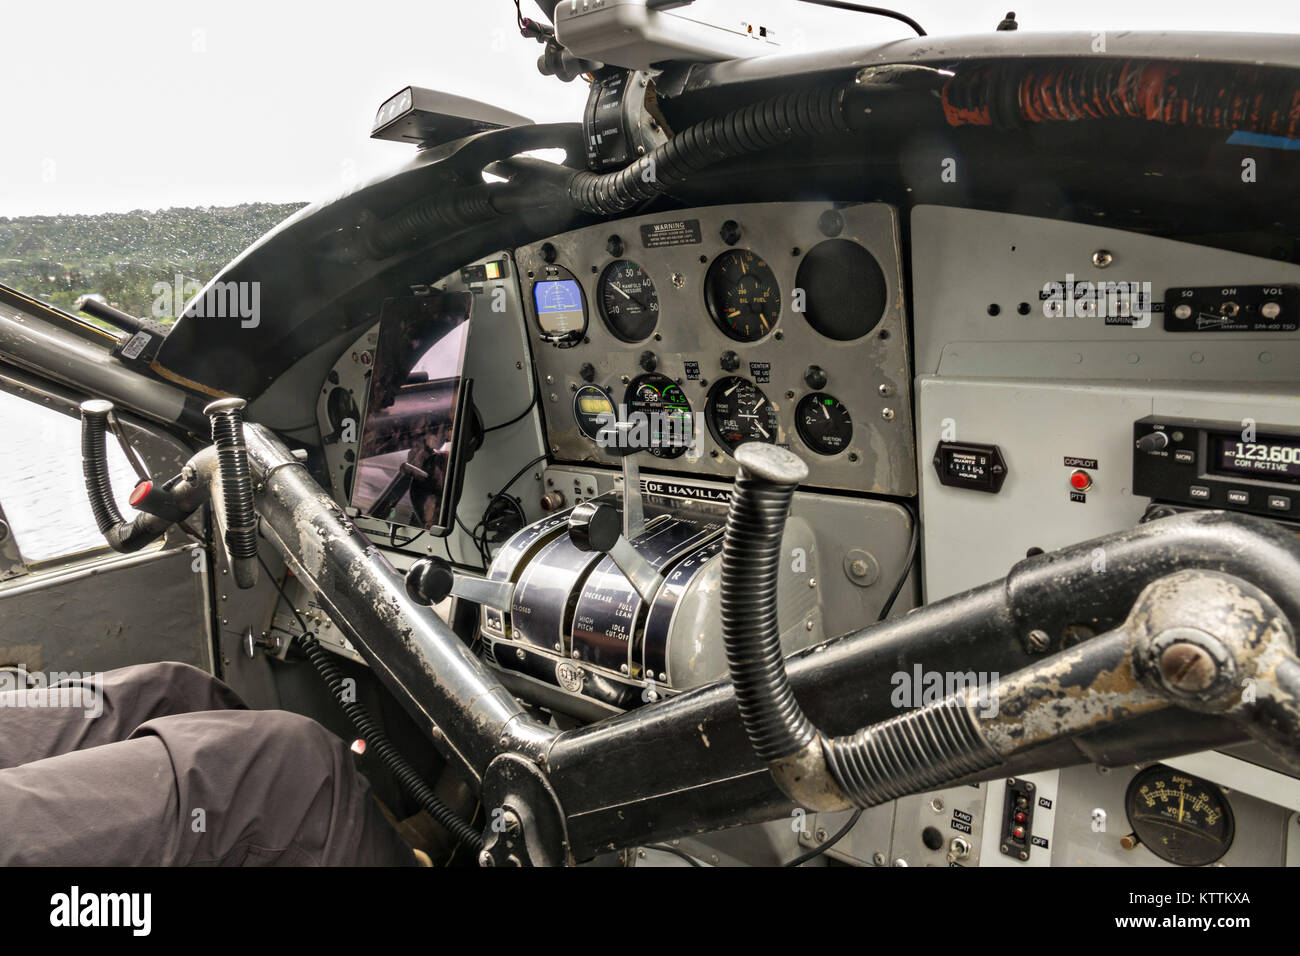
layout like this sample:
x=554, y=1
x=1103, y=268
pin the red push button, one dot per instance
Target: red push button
x=1080, y=480
x=140, y=492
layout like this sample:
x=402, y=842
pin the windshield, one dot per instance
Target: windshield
x=144, y=151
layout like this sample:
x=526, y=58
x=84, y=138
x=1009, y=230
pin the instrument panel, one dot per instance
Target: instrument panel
x=773, y=322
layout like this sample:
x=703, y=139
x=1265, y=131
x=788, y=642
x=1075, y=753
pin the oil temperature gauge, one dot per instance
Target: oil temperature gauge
x=823, y=423
x=1180, y=818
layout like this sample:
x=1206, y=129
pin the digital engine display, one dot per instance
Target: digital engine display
x=1268, y=459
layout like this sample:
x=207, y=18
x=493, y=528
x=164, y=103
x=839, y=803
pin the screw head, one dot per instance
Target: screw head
x=1187, y=667
x=1102, y=258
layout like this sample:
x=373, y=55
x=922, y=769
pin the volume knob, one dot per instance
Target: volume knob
x=1153, y=442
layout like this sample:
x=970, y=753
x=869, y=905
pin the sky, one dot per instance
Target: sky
x=146, y=104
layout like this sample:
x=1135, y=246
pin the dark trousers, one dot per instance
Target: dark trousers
x=162, y=765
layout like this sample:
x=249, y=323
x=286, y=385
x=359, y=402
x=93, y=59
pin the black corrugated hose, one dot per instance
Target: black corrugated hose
x=751, y=558
x=378, y=742
x=750, y=129
x=121, y=535
x=912, y=752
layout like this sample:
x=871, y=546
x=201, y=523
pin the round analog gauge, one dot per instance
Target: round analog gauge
x=823, y=423
x=659, y=415
x=592, y=410
x=559, y=306
x=844, y=289
x=628, y=300
x=1178, y=817
x=739, y=412
x=742, y=295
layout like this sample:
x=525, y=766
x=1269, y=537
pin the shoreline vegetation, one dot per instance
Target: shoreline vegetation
x=122, y=256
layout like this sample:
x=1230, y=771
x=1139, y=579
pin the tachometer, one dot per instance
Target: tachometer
x=739, y=412
x=742, y=295
x=823, y=423
x=1179, y=818
x=629, y=302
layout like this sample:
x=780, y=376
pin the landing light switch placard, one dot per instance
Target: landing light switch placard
x=967, y=465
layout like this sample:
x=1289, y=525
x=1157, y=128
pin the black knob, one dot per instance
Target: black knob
x=729, y=361
x=594, y=527
x=549, y=254
x=730, y=232
x=648, y=361
x=815, y=377
x=1153, y=442
x=587, y=372
x=429, y=581
x=614, y=246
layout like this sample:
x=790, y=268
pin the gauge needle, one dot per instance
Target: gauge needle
x=826, y=413
x=732, y=313
x=1181, y=797
x=762, y=430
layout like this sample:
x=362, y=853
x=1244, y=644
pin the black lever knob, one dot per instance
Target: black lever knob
x=595, y=527
x=429, y=581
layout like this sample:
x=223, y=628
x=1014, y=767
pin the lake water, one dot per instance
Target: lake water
x=42, y=489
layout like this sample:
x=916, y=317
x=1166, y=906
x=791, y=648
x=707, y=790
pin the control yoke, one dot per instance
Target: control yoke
x=1197, y=639
x=163, y=504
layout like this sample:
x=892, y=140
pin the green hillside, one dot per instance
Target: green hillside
x=122, y=256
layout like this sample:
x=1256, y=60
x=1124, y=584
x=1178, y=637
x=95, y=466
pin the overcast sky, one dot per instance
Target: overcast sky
x=157, y=103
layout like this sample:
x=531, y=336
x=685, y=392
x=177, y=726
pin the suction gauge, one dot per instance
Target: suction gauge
x=823, y=423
